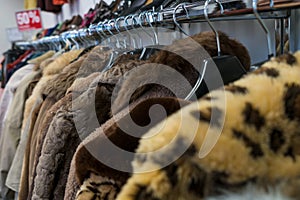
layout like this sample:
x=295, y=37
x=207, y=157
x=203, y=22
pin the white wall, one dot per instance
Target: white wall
x=7, y=19
x=248, y=32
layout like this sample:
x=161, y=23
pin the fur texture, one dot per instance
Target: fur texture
x=53, y=92
x=186, y=57
x=37, y=61
x=117, y=136
x=252, y=193
x=258, y=144
x=32, y=107
x=48, y=71
x=96, y=61
x=63, y=131
x=108, y=189
x=81, y=84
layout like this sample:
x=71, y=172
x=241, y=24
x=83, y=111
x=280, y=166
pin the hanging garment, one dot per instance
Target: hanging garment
x=53, y=92
x=62, y=130
x=12, y=122
x=86, y=64
x=50, y=68
x=23, y=92
x=7, y=98
x=10, y=56
x=83, y=169
x=15, y=170
x=23, y=56
x=257, y=145
x=109, y=178
x=85, y=67
x=181, y=56
x=137, y=85
x=34, y=102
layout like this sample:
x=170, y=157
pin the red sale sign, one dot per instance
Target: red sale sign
x=29, y=20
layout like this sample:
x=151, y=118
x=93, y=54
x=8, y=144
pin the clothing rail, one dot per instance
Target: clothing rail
x=186, y=13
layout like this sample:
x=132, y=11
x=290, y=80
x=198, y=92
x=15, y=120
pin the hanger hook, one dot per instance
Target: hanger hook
x=183, y=6
x=109, y=23
x=135, y=22
x=130, y=34
x=143, y=28
x=263, y=25
x=210, y=24
x=79, y=37
x=117, y=27
x=100, y=28
x=150, y=24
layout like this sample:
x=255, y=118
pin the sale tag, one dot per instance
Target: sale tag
x=29, y=20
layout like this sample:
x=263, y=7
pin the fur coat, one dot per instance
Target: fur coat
x=152, y=80
x=86, y=63
x=49, y=70
x=99, y=172
x=186, y=57
x=231, y=144
x=62, y=130
x=32, y=107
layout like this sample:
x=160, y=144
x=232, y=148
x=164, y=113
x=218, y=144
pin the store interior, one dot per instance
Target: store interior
x=150, y=100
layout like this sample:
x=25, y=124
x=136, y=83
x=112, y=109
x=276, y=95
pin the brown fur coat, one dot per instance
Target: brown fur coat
x=63, y=131
x=186, y=57
x=32, y=107
x=87, y=63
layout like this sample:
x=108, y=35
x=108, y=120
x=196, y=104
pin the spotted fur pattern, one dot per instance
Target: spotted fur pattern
x=258, y=118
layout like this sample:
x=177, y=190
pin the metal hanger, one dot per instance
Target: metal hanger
x=131, y=37
x=263, y=25
x=210, y=24
x=116, y=50
x=183, y=6
x=228, y=66
x=117, y=27
x=202, y=73
x=154, y=47
x=101, y=33
x=148, y=15
x=140, y=22
x=134, y=22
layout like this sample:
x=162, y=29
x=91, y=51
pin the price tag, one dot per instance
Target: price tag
x=29, y=20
